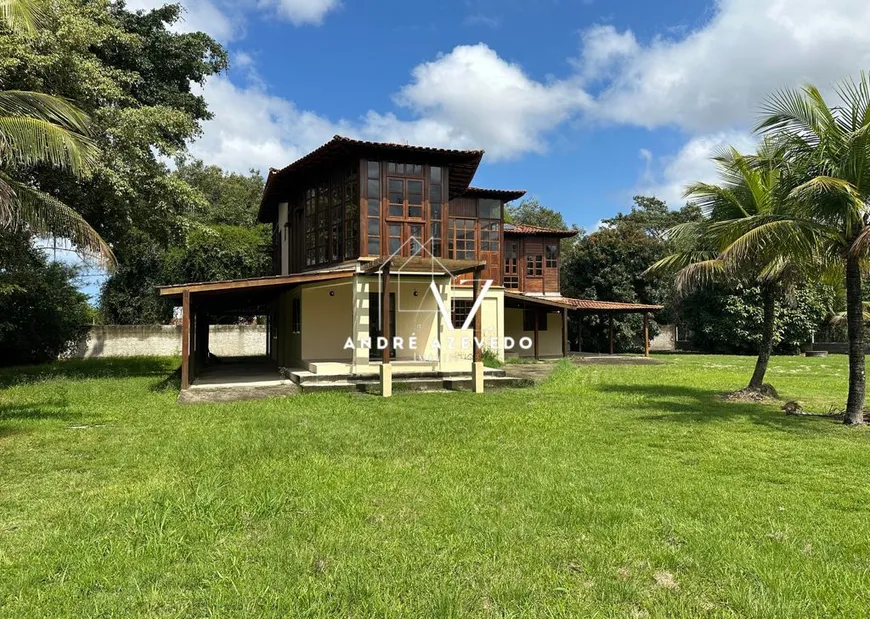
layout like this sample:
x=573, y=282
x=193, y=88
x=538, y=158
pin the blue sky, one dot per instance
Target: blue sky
x=583, y=103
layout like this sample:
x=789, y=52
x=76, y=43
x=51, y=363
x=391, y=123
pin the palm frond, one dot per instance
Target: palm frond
x=45, y=215
x=45, y=107
x=25, y=16
x=678, y=261
x=31, y=141
x=699, y=274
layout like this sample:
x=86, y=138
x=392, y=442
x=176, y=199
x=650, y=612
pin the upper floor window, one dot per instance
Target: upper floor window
x=406, y=169
x=552, y=256
x=511, y=270
x=534, y=266
x=489, y=209
x=461, y=239
x=406, y=198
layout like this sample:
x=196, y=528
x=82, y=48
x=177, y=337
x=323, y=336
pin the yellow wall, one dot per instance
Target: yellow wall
x=549, y=341
x=492, y=324
x=327, y=321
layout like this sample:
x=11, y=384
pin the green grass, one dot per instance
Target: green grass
x=609, y=491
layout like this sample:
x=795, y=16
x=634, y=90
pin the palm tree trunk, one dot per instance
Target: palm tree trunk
x=855, y=320
x=768, y=293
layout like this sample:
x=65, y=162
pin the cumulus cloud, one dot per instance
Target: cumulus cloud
x=469, y=98
x=303, y=11
x=666, y=177
x=198, y=16
x=716, y=77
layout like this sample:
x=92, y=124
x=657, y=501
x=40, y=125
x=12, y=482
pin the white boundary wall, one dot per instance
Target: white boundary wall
x=162, y=340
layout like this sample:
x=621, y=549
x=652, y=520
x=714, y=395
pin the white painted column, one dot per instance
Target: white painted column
x=360, y=326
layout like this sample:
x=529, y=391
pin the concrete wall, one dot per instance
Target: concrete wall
x=665, y=341
x=160, y=340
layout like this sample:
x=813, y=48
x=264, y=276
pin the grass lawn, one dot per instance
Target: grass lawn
x=609, y=491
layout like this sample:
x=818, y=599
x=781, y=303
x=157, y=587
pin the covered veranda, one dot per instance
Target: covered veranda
x=544, y=305
x=203, y=302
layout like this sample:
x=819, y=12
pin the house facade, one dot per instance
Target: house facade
x=385, y=254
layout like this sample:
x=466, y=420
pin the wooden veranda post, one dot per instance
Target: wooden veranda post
x=610, y=316
x=646, y=334
x=185, y=339
x=537, y=320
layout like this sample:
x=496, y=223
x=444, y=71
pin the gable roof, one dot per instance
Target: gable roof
x=462, y=165
x=529, y=230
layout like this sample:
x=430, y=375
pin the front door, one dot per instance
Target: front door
x=375, y=322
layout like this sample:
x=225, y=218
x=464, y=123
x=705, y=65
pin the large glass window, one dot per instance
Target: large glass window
x=551, y=253
x=406, y=198
x=511, y=267
x=436, y=209
x=461, y=241
x=373, y=208
x=489, y=235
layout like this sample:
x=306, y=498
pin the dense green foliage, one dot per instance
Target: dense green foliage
x=609, y=491
x=42, y=314
x=531, y=212
x=220, y=240
x=608, y=265
x=726, y=319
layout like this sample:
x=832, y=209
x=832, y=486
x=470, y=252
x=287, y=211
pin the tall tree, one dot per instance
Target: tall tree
x=829, y=214
x=747, y=190
x=38, y=129
x=531, y=212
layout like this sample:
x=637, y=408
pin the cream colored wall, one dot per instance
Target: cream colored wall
x=491, y=328
x=549, y=341
x=327, y=321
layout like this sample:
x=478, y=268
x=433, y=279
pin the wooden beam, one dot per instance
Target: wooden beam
x=257, y=282
x=646, y=334
x=478, y=352
x=185, y=340
x=385, y=311
x=564, y=332
x=610, y=316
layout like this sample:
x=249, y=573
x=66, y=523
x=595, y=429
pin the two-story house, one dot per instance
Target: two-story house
x=384, y=254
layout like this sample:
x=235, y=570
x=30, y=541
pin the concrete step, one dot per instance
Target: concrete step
x=304, y=377
x=465, y=383
x=369, y=386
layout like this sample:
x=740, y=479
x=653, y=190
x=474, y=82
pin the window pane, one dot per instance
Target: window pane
x=435, y=210
x=374, y=246
x=374, y=208
x=415, y=169
x=393, y=168
x=397, y=210
x=435, y=174
x=374, y=189
x=374, y=227
x=435, y=192
x=415, y=192
x=489, y=209
x=415, y=212
x=374, y=170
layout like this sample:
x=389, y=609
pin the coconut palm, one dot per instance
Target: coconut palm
x=39, y=129
x=828, y=212
x=748, y=189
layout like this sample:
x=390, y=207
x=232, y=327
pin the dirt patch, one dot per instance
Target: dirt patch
x=765, y=393
x=234, y=394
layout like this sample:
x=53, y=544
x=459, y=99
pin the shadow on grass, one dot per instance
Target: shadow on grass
x=117, y=367
x=691, y=405
x=54, y=409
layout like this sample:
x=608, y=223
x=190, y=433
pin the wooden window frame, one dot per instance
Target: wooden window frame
x=534, y=266
x=460, y=309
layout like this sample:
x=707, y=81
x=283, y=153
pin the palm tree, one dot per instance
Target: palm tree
x=39, y=129
x=828, y=212
x=748, y=190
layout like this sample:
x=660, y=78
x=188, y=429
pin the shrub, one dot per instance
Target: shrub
x=42, y=314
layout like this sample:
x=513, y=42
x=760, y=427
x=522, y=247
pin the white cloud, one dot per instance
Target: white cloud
x=604, y=49
x=198, y=16
x=303, y=11
x=716, y=77
x=469, y=98
x=666, y=177
x=484, y=100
